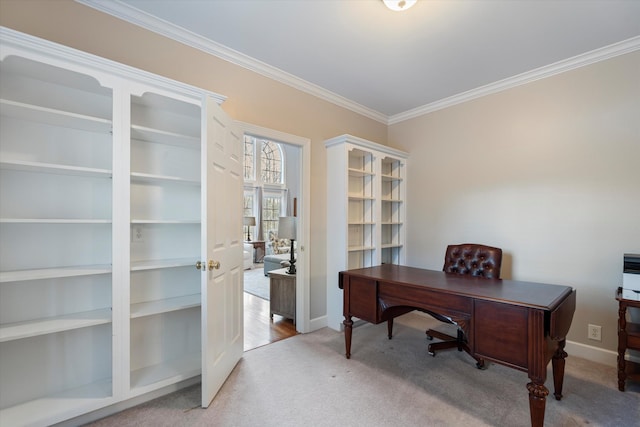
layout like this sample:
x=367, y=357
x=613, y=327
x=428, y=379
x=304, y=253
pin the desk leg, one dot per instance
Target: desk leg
x=537, y=401
x=348, y=328
x=622, y=348
x=558, y=369
x=390, y=328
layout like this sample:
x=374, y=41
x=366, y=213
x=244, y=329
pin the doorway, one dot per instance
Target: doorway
x=260, y=328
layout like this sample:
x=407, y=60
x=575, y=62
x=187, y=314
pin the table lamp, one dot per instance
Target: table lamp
x=248, y=221
x=287, y=230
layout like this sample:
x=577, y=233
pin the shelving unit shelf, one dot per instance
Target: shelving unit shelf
x=50, y=325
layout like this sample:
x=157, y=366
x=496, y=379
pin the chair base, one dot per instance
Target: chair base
x=449, y=342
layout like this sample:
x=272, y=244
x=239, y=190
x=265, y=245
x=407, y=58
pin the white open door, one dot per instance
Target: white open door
x=222, y=298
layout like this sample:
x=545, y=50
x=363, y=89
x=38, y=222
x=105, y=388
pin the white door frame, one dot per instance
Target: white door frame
x=304, y=208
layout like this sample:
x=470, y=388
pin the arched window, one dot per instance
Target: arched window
x=271, y=163
x=265, y=194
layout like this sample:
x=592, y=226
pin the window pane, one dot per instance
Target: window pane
x=249, y=164
x=270, y=216
x=271, y=162
x=248, y=204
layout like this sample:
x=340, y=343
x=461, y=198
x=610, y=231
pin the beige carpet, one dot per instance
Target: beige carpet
x=306, y=381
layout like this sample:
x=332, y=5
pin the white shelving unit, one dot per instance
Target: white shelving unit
x=365, y=211
x=56, y=283
x=101, y=226
x=165, y=240
x=392, y=194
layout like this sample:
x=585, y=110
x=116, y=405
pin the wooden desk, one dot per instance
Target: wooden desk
x=258, y=249
x=282, y=298
x=518, y=324
x=628, y=338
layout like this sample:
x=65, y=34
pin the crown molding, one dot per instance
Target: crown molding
x=142, y=19
x=607, y=52
x=102, y=69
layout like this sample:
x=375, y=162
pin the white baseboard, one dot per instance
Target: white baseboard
x=317, y=323
x=598, y=355
x=591, y=353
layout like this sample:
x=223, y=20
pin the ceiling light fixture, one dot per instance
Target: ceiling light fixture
x=399, y=5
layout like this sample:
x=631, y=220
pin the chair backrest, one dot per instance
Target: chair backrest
x=472, y=259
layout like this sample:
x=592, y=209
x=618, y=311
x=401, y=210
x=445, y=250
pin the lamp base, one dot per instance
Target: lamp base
x=292, y=267
x=292, y=261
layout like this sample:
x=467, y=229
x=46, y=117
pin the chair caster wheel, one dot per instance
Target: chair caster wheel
x=429, y=337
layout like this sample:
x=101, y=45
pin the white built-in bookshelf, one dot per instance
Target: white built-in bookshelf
x=365, y=210
x=100, y=230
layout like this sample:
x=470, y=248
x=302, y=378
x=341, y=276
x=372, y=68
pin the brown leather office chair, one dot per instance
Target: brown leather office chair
x=467, y=259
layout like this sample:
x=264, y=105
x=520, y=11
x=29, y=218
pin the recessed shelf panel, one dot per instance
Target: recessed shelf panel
x=145, y=178
x=150, y=308
x=164, y=137
x=168, y=372
x=41, y=167
x=165, y=221
x=32, y=328
x=360, y=248
x=360, y=197
x=167, y=263
x=53, y=117
x=52, y=273
x=359, y=172
x=57, y=406
x=53, y=221
x=390, y=178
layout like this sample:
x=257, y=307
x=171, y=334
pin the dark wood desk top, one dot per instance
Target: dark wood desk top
x=525, y=294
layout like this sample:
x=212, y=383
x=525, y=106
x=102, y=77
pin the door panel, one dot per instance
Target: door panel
x=222, y=318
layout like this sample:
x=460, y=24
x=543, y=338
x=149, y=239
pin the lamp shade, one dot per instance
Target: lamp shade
x=249, y=220
x=287, y=227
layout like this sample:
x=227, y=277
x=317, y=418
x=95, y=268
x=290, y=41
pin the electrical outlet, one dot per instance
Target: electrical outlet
x=595, y=332
x=136, y=234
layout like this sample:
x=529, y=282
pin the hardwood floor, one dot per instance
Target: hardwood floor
x=259, y=328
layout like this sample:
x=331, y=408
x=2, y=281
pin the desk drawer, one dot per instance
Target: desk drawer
x=419, y=297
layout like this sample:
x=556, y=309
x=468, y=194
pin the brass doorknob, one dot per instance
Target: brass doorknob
x=199, y=265
x=214, y=264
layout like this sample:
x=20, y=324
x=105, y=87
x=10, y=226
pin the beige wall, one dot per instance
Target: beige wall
x=548, y=171
x=251, y=98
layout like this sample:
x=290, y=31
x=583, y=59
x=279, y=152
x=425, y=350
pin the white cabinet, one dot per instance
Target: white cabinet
x=365, y=211
x=101, y=225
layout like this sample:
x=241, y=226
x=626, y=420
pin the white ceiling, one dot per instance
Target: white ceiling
x=395, y=65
